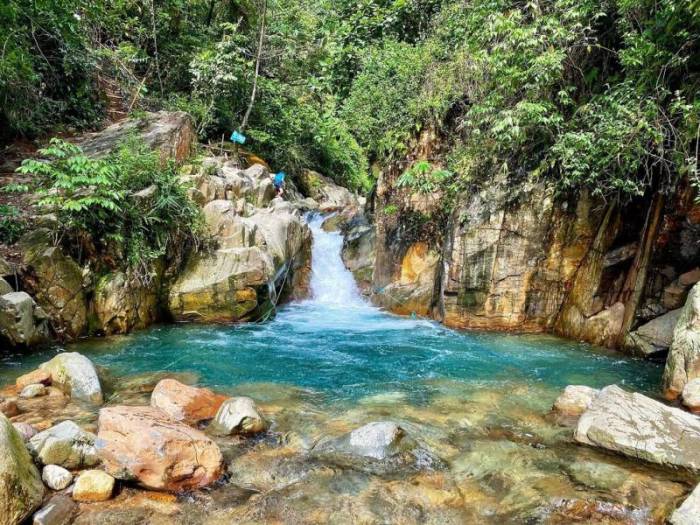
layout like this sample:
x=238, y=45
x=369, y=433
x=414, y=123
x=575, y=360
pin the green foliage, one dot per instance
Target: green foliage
x=423, y=177
x=11, y=224
x=130, y=204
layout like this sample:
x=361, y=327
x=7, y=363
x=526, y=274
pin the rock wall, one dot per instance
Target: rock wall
x=515, y=256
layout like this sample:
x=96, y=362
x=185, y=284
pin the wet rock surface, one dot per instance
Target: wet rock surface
x=238, y=415
x=66, y=445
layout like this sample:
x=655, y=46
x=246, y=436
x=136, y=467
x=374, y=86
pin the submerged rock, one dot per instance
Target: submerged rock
x=144, y=445
x=93, y=485
x=575, y=400
x=75, y=374
x=689, y=511
x=21, y=489
x=381, y=445
x=58, y=511
x=642, y=428
x=683, y=363
x=238, y=415
x=185, y=403
x=55, y=477
x=66, y=445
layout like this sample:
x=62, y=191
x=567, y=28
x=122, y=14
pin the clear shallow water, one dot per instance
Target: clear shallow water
x=339, y=346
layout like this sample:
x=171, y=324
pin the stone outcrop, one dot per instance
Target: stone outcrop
x=654, y=337
x=144, y=445
x=238, y=415
x=171, y=133
x=639, y=427
x=75, y=374
x=683, y=363
x=21, y=489
x=359, y=251
x=185, y=403
x=261, y=253
x=22, y=321
x=122, y=304
x=56, y=282
x=330, y=196
x=65, y=445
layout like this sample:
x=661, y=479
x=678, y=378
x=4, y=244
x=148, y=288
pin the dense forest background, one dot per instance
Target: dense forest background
x=598, y=94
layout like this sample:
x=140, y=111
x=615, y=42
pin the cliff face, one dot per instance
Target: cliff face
x=518, y=257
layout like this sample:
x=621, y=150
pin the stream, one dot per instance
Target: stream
x=329, y=364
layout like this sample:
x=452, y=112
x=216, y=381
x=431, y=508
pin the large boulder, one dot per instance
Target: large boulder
x=654, y=337
x=144, y=445
x=185, y=403
x=122, y=304
x=65, y=445
x=330, y=196
x=689, y=511
x=683, y=362
x=238, y=415
x=359, y=250
x=75, y=374
x=639, y=427
x=575, y=400
x=22, y=322
x=56, y=281
x=171, y=133
x=21, y=489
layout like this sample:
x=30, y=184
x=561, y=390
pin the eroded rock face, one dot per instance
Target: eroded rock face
x=75, y=374
x=21, y=489
x=56, y=282
x=144, y=445
x=655, y=336
x=359, y=251
x=22, y=321
x=639, y=427
x=330, y=196
x=65, y=445
x=238, y=415
x=122, y=305
x=185, y=403
x=683, y=362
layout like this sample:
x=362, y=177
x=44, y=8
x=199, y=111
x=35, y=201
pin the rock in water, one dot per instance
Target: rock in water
x=55, y=477
x=185, y=403
x=691, y=396
x=22, y=322
x=689, y=511
x=238, y=415
x=66, y=445
x=683, y=362
x=642, y=428
x=143, y=444
x=122, y=304
x=93, y=485
x=75, y=374
x=58, y=511
x=21, y=489
x=575, y=400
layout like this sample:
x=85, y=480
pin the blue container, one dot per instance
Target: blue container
x=238, y=138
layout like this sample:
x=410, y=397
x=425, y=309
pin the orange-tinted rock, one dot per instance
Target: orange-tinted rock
x=143, y=444
x=8, y=407
x=33, y=378
x=185, y=403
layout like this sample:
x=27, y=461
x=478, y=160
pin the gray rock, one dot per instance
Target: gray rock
x=683, y=362
x=22, y=322
x=66, y=445
x=55, y=477
x=599, y=476
x=655, y=336
x=238, y=415
x=689, y=511
x=639, y=427
x=691, y=395
x=75, y=374
x=58, y=511
x=21, y=489
x=575, y=400
x=31, y=391
x=5, y=287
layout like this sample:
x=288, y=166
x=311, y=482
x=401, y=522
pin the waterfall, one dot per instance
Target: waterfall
x=331, y=283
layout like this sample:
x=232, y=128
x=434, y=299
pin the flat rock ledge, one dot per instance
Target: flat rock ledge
x=642, y=428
